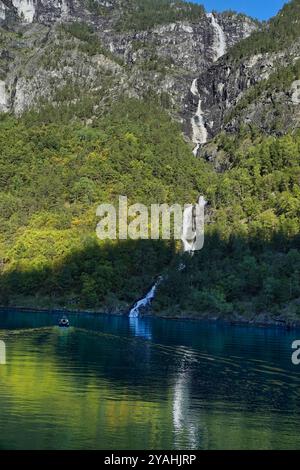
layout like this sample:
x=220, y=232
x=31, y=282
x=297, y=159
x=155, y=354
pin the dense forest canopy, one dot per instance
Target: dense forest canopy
x=53, y=176
x=250, y=263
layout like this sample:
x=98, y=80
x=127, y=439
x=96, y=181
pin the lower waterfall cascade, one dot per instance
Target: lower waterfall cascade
x=199, y=131
x=188, y=238
x=145, y=302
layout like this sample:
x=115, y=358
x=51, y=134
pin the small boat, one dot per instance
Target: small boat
x=64, y=322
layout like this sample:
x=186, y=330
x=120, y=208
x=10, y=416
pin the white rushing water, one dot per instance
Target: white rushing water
x=220, y=45
x=192, y=238
x=3, y=97
x=2, y=353
x=2, y=11
x=145, y=302
x=193, y=228
x=26, y=9
x=187, y=427
x=199, y=131
x=64, y=8
x=140, y=327
x=188, y=237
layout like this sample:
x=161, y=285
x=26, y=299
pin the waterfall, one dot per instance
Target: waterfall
x=3, y=97
x=192, y=238
x=26, y=9
x=193, y=228
x=194, y=89
x=145, y=302
x=220, y=38
x=199, y=131
x=3, y=9
x=64, y=8
x=188, y=236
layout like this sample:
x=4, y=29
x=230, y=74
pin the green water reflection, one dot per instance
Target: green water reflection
x=115, y=383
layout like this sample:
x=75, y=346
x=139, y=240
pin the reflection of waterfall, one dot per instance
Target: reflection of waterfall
x=199, y=131
x=220, y=38
x=181, y=420
x=185, y=421
x=2, y=353
x=140, y=327
x=145, y=302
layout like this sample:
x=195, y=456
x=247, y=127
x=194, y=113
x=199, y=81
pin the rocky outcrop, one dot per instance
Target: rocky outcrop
x=162, y=60
x=248, y=87
x=226, y=105
x=45, y=11
x=186, y=63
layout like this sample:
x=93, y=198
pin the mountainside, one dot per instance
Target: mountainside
x=160, y=101
x=257, y=82
x=108, y=49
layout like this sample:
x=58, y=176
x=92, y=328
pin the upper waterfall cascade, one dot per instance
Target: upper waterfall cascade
x=220, y=45
x=199, y=130
x=26, y=9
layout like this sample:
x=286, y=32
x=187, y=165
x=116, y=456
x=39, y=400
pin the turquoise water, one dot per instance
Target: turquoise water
x=120, y=383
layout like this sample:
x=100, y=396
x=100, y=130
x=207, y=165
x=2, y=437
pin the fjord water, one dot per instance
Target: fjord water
x=121, y=383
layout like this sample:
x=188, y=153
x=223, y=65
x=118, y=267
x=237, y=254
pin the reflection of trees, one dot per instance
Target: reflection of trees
x=113, y=388
x=50, y=401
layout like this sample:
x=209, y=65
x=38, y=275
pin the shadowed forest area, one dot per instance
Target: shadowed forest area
x=53, y=176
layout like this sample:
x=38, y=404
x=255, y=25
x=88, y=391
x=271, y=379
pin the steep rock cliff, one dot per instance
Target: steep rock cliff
x=42, y=54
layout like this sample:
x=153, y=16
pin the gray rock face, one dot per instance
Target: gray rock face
x=39, y=59
x=48, y=12
x=224, y=87
x=246, y=87
x=164, y=59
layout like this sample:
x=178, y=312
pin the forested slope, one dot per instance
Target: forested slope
x=92, y=114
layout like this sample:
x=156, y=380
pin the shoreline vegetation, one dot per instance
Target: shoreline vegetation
x=262, y=320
